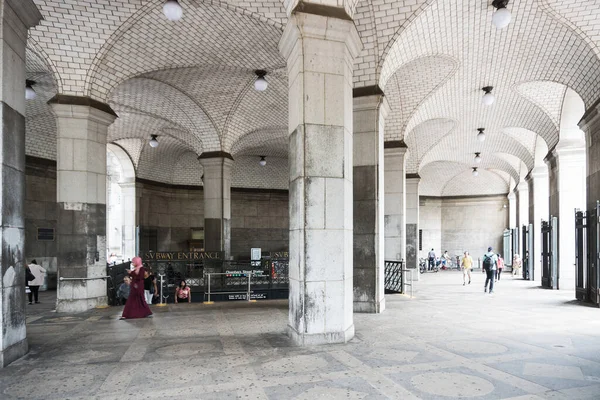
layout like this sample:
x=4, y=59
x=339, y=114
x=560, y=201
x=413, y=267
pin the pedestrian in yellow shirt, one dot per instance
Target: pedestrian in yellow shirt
x=466, y=263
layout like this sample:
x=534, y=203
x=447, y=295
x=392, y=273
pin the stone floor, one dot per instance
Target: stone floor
x=449, y=341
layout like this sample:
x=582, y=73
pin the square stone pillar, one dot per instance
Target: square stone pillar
x=538, y=210
x=395, y=200
x=523, y=204
x=128, y=199
x=412, y=223
x=217, y=201
x=369, y=266
x=16, y=17
x=81, y=196
x=590, y=124
x=512, y=210
x=320, y=53
x=567, y=177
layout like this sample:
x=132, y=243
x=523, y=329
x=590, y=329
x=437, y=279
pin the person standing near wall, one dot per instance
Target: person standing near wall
x=490, y=264
x=34, y=285
x=431, y=257
x=466, y=263
x=516, y=265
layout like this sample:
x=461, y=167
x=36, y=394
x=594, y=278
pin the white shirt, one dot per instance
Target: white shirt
x=39, y=273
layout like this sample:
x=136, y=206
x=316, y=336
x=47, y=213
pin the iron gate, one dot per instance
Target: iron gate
x=394, y=281
x=507, y=248
x=587, y=266
x=525, y=255
x=515, y=242
x=528, y=266
x=550, y=274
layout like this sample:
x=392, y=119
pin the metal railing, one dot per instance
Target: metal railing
x=235, y=276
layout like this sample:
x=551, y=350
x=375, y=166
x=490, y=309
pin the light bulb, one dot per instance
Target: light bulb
x=481, y=136
x=153, y=141
x=172, y=10
x=488, y=99
x=30, y=93
x=501, y=18
x=262, y=161
x=478, y=158
x=475, y=172
x=261, y=84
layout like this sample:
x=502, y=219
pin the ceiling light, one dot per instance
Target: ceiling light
x=488, y=98
x=262, y=161
x=481, y=134
x=478, y=158
x=29, y=92
x=260, y=83
x=153, y=141
x=502, y=16
x=172, y=10
x=503, y=205
x=475, y=172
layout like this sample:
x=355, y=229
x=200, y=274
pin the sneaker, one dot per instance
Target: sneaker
x=469, y=282
x=485, y=290
x=491, y=292
x=37, y=302
x=30, y=303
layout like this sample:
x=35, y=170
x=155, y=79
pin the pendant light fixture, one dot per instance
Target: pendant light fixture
x=488, y=98
x=481, y=134
x=262, y=161
x=502, y=16
x=172, y=10
x=260, y=83
x=153, y=142
x=475, y=172
x=30, y=94
x=477, y=158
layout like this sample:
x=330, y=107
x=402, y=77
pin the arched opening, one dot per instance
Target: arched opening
x=120, y=205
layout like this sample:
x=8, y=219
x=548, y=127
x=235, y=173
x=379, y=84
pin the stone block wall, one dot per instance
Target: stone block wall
x=259, y=219
x=465, y=223
x=41, y=212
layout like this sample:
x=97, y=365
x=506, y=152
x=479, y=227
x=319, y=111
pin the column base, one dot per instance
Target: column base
x=305, y=339
x=13, y=353
x=370, y=307
x=80, y=305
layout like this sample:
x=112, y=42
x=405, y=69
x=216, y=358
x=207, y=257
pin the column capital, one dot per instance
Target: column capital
x=372, y=102
x=395, y=147
x=523, y=186
x=512, y=196
x=591, y=119
x=26, y=10
x=303, y=26
x=541, y=171
x=78, y=107
x=413, y=177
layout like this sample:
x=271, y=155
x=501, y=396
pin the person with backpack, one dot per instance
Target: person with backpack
x=490, y=263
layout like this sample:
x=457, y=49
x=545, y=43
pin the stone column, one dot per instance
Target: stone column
x=217, y=201
x=567, y=175
x=538, y=210
x=395, y=200
x=590, y=124
x=320, y=53
x=369, y=267
x=16, y=17
x=412, y=223
x=81, y=196
x=523, y=204
x=512, y=210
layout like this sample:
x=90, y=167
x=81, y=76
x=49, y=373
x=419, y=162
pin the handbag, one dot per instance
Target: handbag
x=30, y=276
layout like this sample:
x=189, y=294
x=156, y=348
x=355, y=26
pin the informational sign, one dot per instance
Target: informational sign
x=182, y=255
x=243, y=296
x=255, y=254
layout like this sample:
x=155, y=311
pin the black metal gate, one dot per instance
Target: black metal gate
x=528, y=252
x=550, y=275
x=507, y=248
x=515, y=242
x=394, y=281
x=587, y=248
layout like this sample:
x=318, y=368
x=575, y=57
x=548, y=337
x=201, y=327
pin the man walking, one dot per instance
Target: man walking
x=431, y=257
x=490, y=263
x=466, y=264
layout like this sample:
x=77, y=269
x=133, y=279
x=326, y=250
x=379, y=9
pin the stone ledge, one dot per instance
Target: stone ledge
x=320, y=338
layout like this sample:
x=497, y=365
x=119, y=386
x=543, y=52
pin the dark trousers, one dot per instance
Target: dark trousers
x=498, y=272
x=490, y=278
x=431, y=263
x=34, y=293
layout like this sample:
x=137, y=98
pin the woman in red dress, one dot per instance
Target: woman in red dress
x=136, y=306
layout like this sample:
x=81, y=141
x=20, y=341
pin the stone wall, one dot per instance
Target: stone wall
x=41, y=212
x=465, y=223
x=259, y=219
x=166, y=214
x=430, y=223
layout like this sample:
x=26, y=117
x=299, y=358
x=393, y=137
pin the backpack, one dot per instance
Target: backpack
x=488, y=262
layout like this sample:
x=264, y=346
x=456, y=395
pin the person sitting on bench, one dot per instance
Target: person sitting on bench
x=183, y=293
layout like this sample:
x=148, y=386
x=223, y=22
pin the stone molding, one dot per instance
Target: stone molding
x=413, y=177
x=367, y=91
x=302, y=26
x=26, y=10
x=64, y=99
x=215, y=155
x=322, y=10
x=371, y=102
